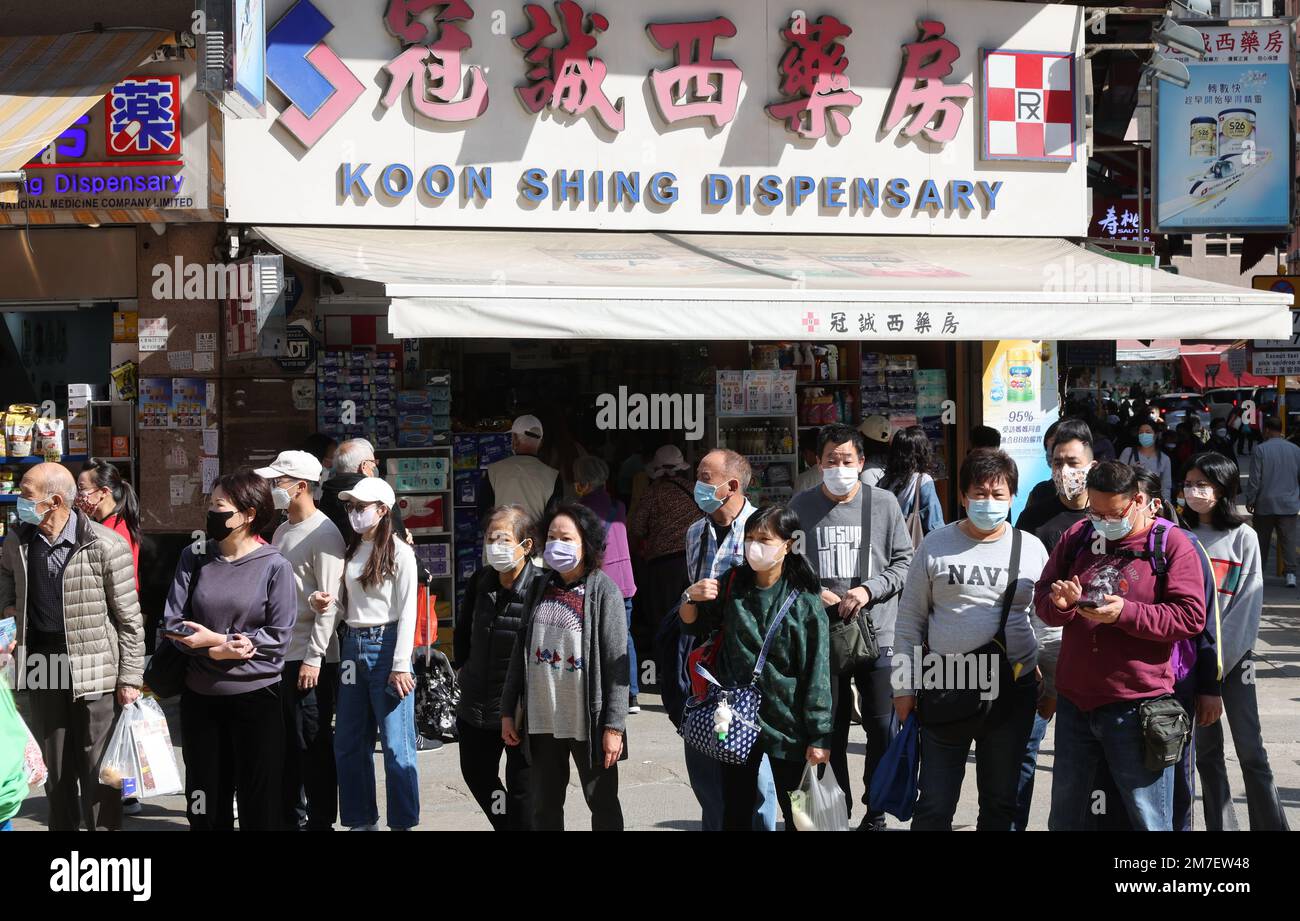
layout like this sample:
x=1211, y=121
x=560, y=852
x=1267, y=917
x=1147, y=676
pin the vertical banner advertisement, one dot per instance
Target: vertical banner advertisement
x=1021, y=402
x=1224, y=158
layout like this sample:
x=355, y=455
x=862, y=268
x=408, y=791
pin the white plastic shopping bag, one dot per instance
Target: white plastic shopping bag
x=819, y=804
x=139, y=759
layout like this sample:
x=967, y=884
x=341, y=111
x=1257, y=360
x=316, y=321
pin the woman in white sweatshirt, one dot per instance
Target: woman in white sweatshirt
x=376, y=687
x=1209, y=488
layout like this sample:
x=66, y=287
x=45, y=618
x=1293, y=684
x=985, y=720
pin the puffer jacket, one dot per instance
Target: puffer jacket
x=101, y=612
x=486, y=627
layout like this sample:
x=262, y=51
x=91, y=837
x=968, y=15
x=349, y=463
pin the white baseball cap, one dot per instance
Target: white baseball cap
x=875, y=427
x=530, y=426
x=298, y=465
x=667, y=458
x=370, y=489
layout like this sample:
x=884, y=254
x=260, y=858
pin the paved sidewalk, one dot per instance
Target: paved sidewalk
x=656, y=795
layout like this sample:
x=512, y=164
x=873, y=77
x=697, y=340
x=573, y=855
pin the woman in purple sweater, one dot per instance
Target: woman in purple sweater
x=590, y=474
x=232, y=607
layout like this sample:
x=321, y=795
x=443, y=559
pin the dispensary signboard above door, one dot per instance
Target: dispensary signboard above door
x=890, y=116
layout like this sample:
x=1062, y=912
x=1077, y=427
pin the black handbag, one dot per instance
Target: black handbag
x=853, y=642
x=165, y=673
x=961, y=712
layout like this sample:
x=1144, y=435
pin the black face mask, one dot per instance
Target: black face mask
x=218, y=526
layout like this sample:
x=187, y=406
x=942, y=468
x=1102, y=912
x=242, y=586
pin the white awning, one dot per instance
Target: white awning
x=525, y=284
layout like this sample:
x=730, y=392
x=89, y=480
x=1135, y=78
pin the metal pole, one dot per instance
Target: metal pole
x=1142, y=194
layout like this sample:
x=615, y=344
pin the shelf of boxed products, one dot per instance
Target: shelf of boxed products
x=472, y=454
x=38, y=459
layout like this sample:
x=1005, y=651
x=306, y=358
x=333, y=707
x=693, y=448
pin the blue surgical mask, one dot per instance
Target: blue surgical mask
x=706, y=498
x=562, y=555
x=987, y=514
x=1113, y=530
x=1146, y=439
x=27, y=510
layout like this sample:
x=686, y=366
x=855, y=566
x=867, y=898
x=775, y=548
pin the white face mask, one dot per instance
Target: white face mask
x=1200, y=499
x=840, y=480
x=503, y=557
x=365, y=519
x=762, y=557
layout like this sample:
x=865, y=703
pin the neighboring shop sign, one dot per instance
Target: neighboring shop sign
x=1284, y=284
x=1276, y=364
x=140, y=155
x=300, y=349
x=1020, y=401
x=1118, y=219
x=1225, y=157
x=410, y=112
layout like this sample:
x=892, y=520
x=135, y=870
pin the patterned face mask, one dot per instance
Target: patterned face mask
x=1070, y=481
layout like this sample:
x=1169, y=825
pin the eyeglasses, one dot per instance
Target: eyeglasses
x=1098, y=519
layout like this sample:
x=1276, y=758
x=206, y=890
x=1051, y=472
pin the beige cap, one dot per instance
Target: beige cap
x=529, y=426
x=370, y=489
x=876, y=428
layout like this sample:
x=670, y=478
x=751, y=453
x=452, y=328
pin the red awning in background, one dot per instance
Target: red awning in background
x=1191, y=371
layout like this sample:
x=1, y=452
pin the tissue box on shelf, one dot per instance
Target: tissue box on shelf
x=435, y=557
x=420, y=482
x=466, y=486
x=422, y=514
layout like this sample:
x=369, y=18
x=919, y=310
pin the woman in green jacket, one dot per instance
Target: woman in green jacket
x=795, y=714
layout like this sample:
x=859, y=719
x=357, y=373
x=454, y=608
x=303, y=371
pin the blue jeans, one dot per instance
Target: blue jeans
x=705, y=775
x=7, y=825
x=367, y=705
x=1112, y=734
x=633, y=687
x=1028, y=768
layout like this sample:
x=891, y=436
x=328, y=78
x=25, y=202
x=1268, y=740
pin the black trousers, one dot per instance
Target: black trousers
x=72, y=735
x=507, y=807
x=310, y=783
x=233, y=742
x=740, y=789
x=666, y=579
x=549, y=781
x=872, y=679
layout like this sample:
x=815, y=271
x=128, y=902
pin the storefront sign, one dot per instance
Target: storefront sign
x=398, y=112
x=1021, y=402
x=1224, y=145
x=1276, y=364
x=142, y=154
x=1118, y=219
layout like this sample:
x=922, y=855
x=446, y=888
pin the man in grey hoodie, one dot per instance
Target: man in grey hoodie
x=833, y=516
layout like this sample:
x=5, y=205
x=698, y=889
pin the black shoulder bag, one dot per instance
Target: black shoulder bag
x=961, y=711
x=853, y=642
x=165, y=673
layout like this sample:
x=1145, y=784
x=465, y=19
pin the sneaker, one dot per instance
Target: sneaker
x=634, y=707
x=1290, y=580
x=872, y=824
x=131, y=806
x=423, y=744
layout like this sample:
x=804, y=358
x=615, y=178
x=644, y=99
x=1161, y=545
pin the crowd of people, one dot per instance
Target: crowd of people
x=1123, y=604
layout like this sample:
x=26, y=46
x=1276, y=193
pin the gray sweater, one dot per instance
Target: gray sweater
x=1237, y=570
x=831, y=535
x=604, y=640
x=952, y=602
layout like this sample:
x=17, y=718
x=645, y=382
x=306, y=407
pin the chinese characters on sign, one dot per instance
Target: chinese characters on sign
x=934, y=105
x=564, y=73
x=143, y=117
x=812, y=71
x=430, y=67
x=917, y=322
x=565, y=77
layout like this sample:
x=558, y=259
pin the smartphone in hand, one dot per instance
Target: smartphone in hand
x=180, y=632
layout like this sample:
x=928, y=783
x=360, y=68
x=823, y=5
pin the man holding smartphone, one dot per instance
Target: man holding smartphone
x=1115, y=649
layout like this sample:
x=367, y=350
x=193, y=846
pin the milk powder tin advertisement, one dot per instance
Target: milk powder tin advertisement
x=1021, y=402
x=1224, y=154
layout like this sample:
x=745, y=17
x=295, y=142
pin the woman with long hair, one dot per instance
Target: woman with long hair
x=909, y=475
x=1209, y=487
x=376, y=691
x=232, y=607
x=107, y=498
x=795, y=714
x=498, y=598
x=566, y=693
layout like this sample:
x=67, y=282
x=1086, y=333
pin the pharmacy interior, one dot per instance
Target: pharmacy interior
x=67, y=353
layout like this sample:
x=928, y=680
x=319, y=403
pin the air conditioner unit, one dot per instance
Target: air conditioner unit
x=232, y=54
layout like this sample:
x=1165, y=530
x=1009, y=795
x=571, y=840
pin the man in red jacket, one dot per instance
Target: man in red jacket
x=1120, y=622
